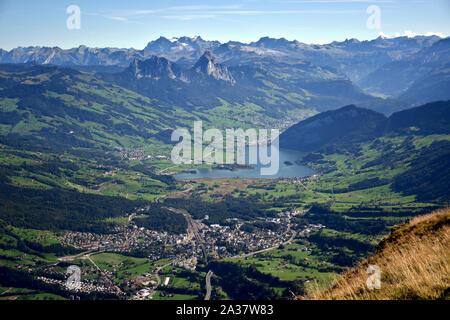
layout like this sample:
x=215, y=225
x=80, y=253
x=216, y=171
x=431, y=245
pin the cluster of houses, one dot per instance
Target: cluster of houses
x=184, y=250
x=87, y=285
x=310, y=228
x=137, y=154
x=301, y=180
x=216, y=236
x=189, y=263
x=123, y=239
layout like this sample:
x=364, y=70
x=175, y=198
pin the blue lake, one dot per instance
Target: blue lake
x=287, y=169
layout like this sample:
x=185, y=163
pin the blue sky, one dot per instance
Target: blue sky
x=134, y=23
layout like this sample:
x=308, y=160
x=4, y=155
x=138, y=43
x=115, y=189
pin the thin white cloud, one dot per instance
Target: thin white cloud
x=263, y=12
x=121, y=19
x=337, y=1
x=192, y=12
x=213, y=14
x=176, y=9
x=199, y=7
x=138, y=12
x=190, y=17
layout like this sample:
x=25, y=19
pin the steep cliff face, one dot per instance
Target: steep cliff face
x=153, y=68
x=157, y=68
x=206, y=65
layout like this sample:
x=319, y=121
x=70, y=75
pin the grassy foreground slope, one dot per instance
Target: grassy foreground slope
x=414, y=262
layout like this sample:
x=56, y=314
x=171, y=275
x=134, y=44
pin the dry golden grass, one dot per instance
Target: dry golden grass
x=414, y=261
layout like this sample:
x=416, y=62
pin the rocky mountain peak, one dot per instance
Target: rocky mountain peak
x=152, y=68
x=206, y=65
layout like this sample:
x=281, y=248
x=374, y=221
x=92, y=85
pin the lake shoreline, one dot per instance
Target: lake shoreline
x=288, y=168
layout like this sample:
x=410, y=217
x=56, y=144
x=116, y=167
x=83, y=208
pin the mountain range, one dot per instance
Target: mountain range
x=427, y=67
x=385, y=67
x=141, y=104
x=129, y=97
x=352, y=57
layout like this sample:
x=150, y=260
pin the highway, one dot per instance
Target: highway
x=208, y=285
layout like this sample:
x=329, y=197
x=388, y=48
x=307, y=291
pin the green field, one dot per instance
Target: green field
x=123, y=267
